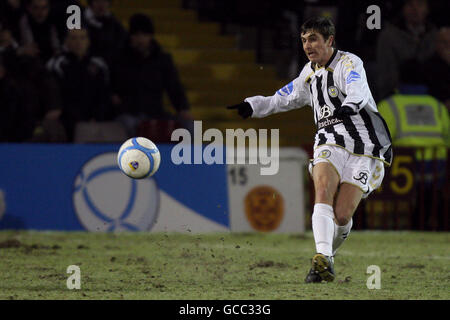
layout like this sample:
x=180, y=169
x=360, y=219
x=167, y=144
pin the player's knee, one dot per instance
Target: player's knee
x=324, y=194
x=324, y=190
x=343, y=213
x=342, y=220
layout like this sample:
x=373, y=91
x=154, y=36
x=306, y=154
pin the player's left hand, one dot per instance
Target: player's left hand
x=244, y=109
x=344, y=111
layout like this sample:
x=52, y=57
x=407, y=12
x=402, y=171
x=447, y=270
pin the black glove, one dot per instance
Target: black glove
x=244, y=109
x=344, y=112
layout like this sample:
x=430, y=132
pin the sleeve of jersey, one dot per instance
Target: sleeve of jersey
x=292, y=96
x=355, y=83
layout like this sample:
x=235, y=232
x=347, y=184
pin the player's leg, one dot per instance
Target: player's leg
x=347, y=200
x=326, y=181
x=360, y=177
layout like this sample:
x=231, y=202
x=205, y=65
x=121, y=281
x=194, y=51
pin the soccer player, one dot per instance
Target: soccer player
x=352, y=143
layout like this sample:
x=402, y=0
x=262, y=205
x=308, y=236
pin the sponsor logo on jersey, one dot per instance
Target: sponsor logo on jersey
x=325, y=118
x=264, y=208
x=324, y=112
x=286, y=90
x=352, y=76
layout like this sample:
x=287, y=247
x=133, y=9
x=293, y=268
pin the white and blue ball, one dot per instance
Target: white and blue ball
x=138, y=158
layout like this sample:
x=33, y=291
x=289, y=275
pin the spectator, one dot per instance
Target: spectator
x=83, y=80
x=12, y=11
x=437, y=68
x=8, y=45
x=27, y=102
x=9, y=107
x=38, y=33
x=142, y=75
x=107, y=34
x=421, y=122
x=403, y=46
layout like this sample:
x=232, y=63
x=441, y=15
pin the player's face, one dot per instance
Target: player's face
x=316, y=48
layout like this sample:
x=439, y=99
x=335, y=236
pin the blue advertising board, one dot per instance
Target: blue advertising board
x=80, y=187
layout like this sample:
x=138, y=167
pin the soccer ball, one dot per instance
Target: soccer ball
x=138, y=158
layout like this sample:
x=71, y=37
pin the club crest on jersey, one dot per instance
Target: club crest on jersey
x=286, y=90
x=324, y=154
x=333, y=91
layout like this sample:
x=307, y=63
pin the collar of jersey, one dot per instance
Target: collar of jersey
x=314, y=65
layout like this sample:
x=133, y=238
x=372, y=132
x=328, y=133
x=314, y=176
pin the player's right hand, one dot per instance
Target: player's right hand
x=244, y=109
x=344, y=112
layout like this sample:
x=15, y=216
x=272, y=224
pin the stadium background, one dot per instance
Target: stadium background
x=224, y=52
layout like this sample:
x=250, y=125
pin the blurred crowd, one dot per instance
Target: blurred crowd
x=52, y=78
x=410, y=53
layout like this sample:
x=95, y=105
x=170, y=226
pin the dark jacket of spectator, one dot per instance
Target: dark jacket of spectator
x=437, y=77
x=12, y=11
x=140, y=82
x=31, y=91
x=10, y=51
x=44, y=35
x=107, y=35
x=401, y=51
x=10, y=104
x=84, y=87
x=436, y=70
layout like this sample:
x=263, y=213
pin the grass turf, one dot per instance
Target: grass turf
x=414, y=265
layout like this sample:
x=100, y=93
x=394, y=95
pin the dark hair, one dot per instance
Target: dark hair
x=141, y=23
x=322, y=25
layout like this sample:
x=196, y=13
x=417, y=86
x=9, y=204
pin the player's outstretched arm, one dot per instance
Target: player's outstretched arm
x=292, y=96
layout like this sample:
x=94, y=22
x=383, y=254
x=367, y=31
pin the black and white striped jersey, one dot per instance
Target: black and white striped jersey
x=342, y=81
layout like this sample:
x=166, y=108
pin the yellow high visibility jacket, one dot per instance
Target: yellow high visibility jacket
x=417, y=121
